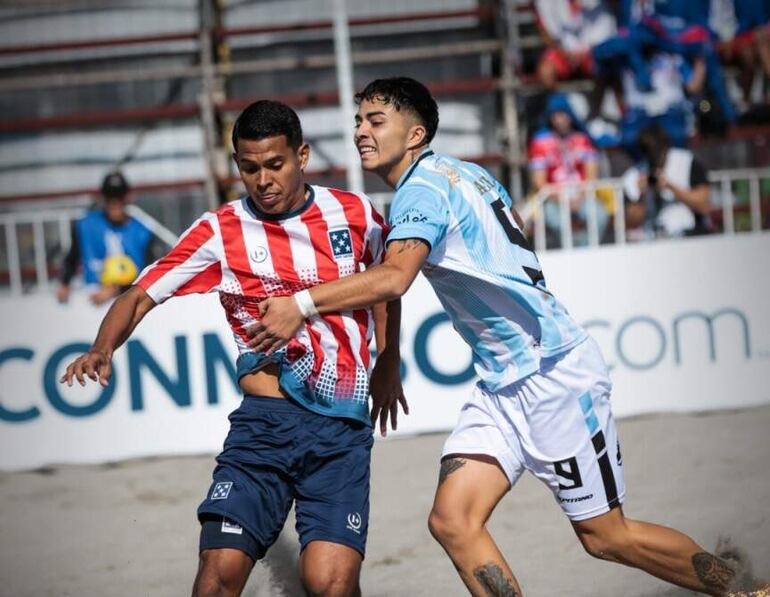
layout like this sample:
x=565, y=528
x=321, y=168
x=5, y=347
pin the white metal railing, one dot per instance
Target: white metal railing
x=532, y=211
x=722, y=195
x=62, y=218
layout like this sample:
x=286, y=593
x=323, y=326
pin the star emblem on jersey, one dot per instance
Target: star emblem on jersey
x=221, y=490
x=342, y=245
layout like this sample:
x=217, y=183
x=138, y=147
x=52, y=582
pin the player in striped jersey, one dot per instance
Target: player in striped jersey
x=542, y=402
x=303, y=432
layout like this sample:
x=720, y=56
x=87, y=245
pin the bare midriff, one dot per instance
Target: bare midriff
x=263, y=382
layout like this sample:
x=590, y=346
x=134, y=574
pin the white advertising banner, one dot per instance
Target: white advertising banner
x=684, y=326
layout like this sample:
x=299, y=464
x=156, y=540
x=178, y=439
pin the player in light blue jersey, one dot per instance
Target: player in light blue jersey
x=542, y=401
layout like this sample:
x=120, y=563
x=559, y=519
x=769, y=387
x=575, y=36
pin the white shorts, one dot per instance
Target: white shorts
x=555, y=423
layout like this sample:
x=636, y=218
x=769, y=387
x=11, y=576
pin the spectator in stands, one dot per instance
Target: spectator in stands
x=561, y=153
x=571, y=29
x=111, y=246
x=744, y=28
x=667, y=194
x=666, y=103
x=675, y=27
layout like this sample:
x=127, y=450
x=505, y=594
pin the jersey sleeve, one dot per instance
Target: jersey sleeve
x=585, y=150
x=538, y=152
x=191, y=266
x=419, y=211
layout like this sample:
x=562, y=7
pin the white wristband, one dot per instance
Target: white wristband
x=305, y=303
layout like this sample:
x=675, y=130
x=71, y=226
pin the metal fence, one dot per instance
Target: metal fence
x=49, y=240
x=41, y=237
x=732, y=191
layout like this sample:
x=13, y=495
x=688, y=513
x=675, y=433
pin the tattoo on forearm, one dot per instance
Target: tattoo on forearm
x=409, y=244
x=493, y=581
x=713, y=572
x=449, y=466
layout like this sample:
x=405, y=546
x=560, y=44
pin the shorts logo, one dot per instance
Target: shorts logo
x=354, y=522
x=231, y=527
x=341, y=244
x=221, y=490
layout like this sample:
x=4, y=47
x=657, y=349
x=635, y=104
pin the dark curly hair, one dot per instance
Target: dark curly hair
x=403, y=92
x=266, y=118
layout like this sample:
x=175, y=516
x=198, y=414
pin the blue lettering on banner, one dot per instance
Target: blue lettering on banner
x=17, y=416
x=213, y=353
x=423, y=359
x=51, y=384
x=139, y=358
x=661, y=335
x=667, y=342
x=709, y=321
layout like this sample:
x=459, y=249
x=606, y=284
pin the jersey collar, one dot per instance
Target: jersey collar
x=405, y=176
x=252, y=208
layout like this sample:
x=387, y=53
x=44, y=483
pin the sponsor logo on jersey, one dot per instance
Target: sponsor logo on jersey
x=221, y=490
x=259, y=254
x=354, y=522
x=411, y=216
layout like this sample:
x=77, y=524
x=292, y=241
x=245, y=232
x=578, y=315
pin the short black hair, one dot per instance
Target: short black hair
x=267, y=118
x=403, y=92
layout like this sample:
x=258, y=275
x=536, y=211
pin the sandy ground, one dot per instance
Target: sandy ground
x=129, y=529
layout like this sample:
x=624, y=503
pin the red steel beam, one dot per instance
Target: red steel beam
x=179, y=111
x=331, y=98
x=98, y=43
x=485, y=12
x=91, y=119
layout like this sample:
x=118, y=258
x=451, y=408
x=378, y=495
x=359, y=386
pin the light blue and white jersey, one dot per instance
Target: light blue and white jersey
x=482, y=267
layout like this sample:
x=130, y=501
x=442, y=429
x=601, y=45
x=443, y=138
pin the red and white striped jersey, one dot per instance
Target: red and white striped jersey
x=247, y=256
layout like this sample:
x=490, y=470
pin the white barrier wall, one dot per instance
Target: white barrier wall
x=685, y=326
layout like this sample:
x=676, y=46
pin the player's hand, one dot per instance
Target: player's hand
x=387, y=393
x=281, y=318
x=95, y=364
x=104, y=294
x=63, y=293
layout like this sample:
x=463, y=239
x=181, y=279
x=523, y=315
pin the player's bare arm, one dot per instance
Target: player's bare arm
x=385, y=382
x=282, y=317
x=124, y=315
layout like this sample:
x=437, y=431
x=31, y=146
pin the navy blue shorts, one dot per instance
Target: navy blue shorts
x=278, y=453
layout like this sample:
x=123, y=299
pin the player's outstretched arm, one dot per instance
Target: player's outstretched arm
x=282, y=316
x=124, y=315
x=385, y=384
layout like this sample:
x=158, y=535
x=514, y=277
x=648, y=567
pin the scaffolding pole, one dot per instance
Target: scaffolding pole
x=345, y=87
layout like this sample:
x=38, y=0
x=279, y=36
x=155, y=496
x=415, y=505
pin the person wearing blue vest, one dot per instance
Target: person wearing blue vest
x=108, y=244
x=542, y=402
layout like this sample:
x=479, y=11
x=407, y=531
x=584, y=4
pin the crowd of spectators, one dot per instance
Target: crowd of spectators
x=665, y=62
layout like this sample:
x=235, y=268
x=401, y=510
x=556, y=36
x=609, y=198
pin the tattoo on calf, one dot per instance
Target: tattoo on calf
x=494, y=582
x=449, y=466
x=713, y=572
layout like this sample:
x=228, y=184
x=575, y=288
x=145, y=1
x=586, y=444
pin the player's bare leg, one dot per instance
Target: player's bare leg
x=330, y=570
x=469, y=488
x=658, y=550
x=222, y=573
